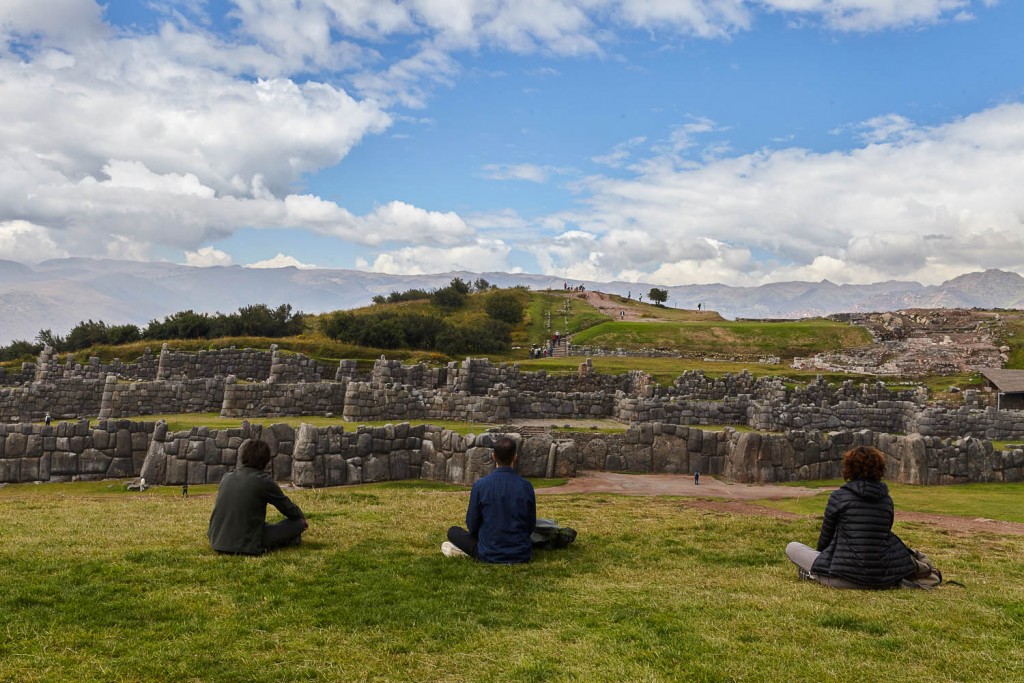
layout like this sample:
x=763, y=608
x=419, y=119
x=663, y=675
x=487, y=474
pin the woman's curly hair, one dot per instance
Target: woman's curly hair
x=863, y=462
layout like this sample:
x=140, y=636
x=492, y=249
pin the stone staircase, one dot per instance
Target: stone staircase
x=526, y=431
x=562, y=348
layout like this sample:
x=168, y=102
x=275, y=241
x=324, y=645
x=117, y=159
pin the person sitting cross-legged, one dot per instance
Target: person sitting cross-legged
x=856, y=546
x=501, y=516
x=238, y=523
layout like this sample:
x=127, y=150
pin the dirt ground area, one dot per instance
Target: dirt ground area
x=628, y=311
x=720, y=496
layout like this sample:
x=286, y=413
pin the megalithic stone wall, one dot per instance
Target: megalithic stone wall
x=73, y=451
x=330, y=456
x=312, y=456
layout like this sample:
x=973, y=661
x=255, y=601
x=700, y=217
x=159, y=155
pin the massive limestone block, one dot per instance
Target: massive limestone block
x=670, y=455
x=565, y=459
x=533, y=455
x=10, y=470
x=335, y=470
x=306, y=441
x=637, y=457
x=740, y=466
x=595, y=454
x=15, y=447
x=399, y=465
x=455, y=469
x=196, y=472
x=377, y=467
x=93, y=461
x=306, y=473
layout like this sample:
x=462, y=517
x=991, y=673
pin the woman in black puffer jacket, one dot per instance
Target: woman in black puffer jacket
x=856, y=548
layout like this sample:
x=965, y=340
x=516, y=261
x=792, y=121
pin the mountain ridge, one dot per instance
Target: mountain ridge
x=58, y=293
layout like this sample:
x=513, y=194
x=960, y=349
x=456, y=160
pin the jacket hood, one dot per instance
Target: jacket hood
x=868, y=489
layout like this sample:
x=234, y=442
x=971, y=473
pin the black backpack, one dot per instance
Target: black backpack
x=547, y=535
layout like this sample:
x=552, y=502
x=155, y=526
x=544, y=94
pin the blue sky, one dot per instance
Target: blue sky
x=666, y=141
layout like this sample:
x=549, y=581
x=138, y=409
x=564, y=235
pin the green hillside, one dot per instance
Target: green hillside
x=784, y=339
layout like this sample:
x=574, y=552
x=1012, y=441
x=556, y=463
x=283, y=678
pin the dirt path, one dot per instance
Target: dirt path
x=720, y=496
x=617, y=310
x=674, y=485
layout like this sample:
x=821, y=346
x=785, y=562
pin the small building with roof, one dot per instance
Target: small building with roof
x=1008, y=385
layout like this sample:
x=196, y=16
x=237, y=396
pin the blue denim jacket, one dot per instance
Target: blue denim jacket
x=502, y=514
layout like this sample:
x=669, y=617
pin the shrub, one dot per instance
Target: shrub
x=490, y=336
x=505, y=306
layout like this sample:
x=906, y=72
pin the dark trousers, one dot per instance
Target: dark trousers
x=285, y=532
x=463, y=540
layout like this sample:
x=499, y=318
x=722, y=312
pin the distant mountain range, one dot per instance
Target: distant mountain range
x=58, y=294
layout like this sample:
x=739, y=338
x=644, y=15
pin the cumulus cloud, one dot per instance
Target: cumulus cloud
x=205, y=257
x=114, y=142
x=281, y=261
x=24, y=241
x=926, y=204
x=481, y=255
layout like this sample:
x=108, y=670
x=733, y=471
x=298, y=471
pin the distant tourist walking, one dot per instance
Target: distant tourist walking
x=856, y=547
x=47, y=419
x=184, y=490
x=696, y=477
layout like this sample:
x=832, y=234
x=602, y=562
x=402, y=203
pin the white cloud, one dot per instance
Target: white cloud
x=927, y=205
x=205, y=257
x=620, y=154
x=281, y=261
x=54, y=20
x=529, y=172
x=24, y=241
x=482, y=255
x=873, y=15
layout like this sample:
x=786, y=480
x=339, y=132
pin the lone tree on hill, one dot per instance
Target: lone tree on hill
x=658, y=296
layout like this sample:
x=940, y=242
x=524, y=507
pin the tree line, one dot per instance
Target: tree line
x=257, y=320
x=384, y=328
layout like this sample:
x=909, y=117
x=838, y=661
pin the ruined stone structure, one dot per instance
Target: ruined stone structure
x=271, y=384
x=312, y=456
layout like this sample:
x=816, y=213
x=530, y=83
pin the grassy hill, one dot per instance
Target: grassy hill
x=784, y=339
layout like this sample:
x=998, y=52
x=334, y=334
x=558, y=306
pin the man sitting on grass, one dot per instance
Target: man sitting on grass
x=238, y=523
x=501, y=516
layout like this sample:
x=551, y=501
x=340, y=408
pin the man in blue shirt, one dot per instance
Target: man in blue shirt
x=501, y=516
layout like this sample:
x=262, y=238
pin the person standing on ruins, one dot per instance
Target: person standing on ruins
x=856, y=547
x=501, y=516
x=238, y=525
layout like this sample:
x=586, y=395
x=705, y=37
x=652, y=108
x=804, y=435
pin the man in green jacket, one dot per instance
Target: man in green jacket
x=238, y=523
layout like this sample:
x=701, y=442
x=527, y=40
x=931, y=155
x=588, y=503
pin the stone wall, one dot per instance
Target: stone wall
x=240, y=399
x=73, y=451
x=61, y=398
x=332, y=456
x=480, y=391
x=8, y=377
x=249, y=364
x=132, y=399
x=797, y=455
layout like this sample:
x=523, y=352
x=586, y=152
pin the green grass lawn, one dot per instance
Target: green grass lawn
x=784, y=339
x=992, y=501
x=101, y=584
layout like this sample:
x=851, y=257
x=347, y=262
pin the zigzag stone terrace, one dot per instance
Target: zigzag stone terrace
x=801, y=433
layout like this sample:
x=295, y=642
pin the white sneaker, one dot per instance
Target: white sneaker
x=450, y=550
